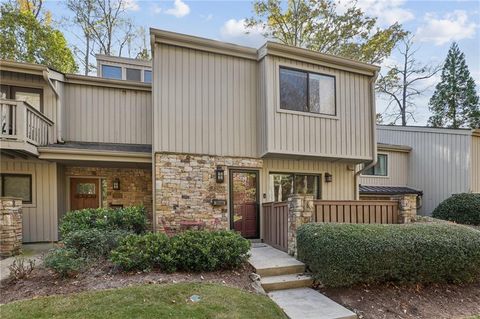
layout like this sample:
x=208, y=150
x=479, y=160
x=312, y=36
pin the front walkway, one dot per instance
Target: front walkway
x=283, y=278
x=29, y=251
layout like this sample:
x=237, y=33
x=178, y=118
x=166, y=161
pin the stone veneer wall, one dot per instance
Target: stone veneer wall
x=10, y=226
x=135, y=185
x=185, y=185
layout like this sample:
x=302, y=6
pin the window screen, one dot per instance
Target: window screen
x=17, y=185
x=134, y=75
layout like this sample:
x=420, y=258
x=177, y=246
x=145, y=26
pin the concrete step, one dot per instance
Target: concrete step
x=306, y=303
x=289, y=281
x=280, y=270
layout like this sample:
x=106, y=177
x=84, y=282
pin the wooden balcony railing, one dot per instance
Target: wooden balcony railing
x=20, y=122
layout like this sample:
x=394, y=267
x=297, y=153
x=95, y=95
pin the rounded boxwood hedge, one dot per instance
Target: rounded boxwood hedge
x=460, y=208
x=348, y=254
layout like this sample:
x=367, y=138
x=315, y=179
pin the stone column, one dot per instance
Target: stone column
x=408, y=208
x=10, y=226
x=300, y=211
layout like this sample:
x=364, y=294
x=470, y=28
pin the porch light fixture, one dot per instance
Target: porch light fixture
x=116, y=184
x=328, y=178
x=220, y=174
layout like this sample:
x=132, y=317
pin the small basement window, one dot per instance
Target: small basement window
x=304, y=91
x=17, y=185
x=381, y=168
x=111, y=72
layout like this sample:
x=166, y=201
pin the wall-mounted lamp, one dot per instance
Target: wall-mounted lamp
x=328, y=178
x=220, y=174
x=116, y=184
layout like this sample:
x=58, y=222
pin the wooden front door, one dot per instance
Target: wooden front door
x=84, y=193
x=244, y=208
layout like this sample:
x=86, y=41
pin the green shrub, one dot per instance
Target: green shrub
x=460, y=208
x=347, y=254
x=190, y=251
x=209, y=250
x=144, y=252
x=94, y=243
x=131, y=219
x=64, y=261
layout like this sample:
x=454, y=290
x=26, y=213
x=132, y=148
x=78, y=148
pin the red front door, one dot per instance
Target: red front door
x=244, y=214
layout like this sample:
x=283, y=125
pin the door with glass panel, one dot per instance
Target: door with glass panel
x=244, y=208
x=84, y=193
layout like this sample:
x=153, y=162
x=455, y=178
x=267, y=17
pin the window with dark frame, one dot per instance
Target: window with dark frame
x=17, y=185
x=381, y=168
x=304, y=91
x=284, y=184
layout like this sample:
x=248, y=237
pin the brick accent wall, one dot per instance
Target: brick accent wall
x=135, y=185
x=10, y=226
x=185, y=186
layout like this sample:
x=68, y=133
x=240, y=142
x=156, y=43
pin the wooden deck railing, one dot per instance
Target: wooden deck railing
x=21, y=122
x=275, y=225
x=356, y=212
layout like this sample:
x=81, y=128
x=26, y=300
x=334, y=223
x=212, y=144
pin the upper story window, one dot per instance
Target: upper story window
x=17, y=185
x=112, y=72
x=381, y=168
x=307, y=91
x=284, y=184
x=32, y=96
x=134, y=75
x=147, y=76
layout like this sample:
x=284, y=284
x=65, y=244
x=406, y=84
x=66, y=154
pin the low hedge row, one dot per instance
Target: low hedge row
x=460, y=208
x=347, y=254
x=189, y=251
x=131, y=219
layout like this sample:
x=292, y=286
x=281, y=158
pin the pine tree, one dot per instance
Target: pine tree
x=455, y=102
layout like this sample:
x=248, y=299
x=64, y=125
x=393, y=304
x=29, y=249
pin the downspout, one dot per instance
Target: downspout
x=58, y=123
x=373, y=162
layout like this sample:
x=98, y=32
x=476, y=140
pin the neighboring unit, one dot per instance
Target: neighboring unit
x=435, y=162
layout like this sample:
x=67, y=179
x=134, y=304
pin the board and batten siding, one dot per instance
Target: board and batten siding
x=39, y=217
x=204, y=103
x=475, y=164
x=341, y=188
x=348, y=135
x=439, y=163
x=107, y=114
x=397, y=171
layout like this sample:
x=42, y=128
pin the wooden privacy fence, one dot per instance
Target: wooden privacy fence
x=356, y=212
x=275, y=225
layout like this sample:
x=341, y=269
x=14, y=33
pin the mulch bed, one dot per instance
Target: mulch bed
x=391, y=301
x=43, y=282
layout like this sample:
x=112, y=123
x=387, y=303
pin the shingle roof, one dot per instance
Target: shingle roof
x=388, y=190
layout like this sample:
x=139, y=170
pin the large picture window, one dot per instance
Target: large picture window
x=381, y=168
x=304, y=91
x=284, y=184
x=17, y=185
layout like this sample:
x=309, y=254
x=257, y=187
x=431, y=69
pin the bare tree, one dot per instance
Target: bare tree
x=401, y=83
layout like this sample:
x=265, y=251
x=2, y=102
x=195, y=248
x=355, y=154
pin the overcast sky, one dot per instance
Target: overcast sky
x=435, y=25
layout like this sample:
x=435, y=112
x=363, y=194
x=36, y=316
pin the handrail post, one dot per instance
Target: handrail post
x=21, y=119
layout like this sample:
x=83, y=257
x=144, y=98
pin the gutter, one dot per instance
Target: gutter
x=373, y=162
x=58, y=103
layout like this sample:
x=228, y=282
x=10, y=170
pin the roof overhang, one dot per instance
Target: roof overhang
x=98, y=81
x=388, y=190
x=394, y=148
x=75, y=154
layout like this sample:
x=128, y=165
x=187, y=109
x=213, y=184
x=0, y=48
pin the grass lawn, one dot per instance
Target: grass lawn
x=149, y=301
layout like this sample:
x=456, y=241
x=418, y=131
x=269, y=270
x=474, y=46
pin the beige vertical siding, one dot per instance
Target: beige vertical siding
x=204, y=103
x=397, y=166
x=40, y=217
x=348, y=135
x=439, y=163
x=475, y=164
x=341, y=188
x=34, y=81
x=107, y=115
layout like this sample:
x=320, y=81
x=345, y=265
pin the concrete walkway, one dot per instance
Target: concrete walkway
x=29, y=251
x=284, y=278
